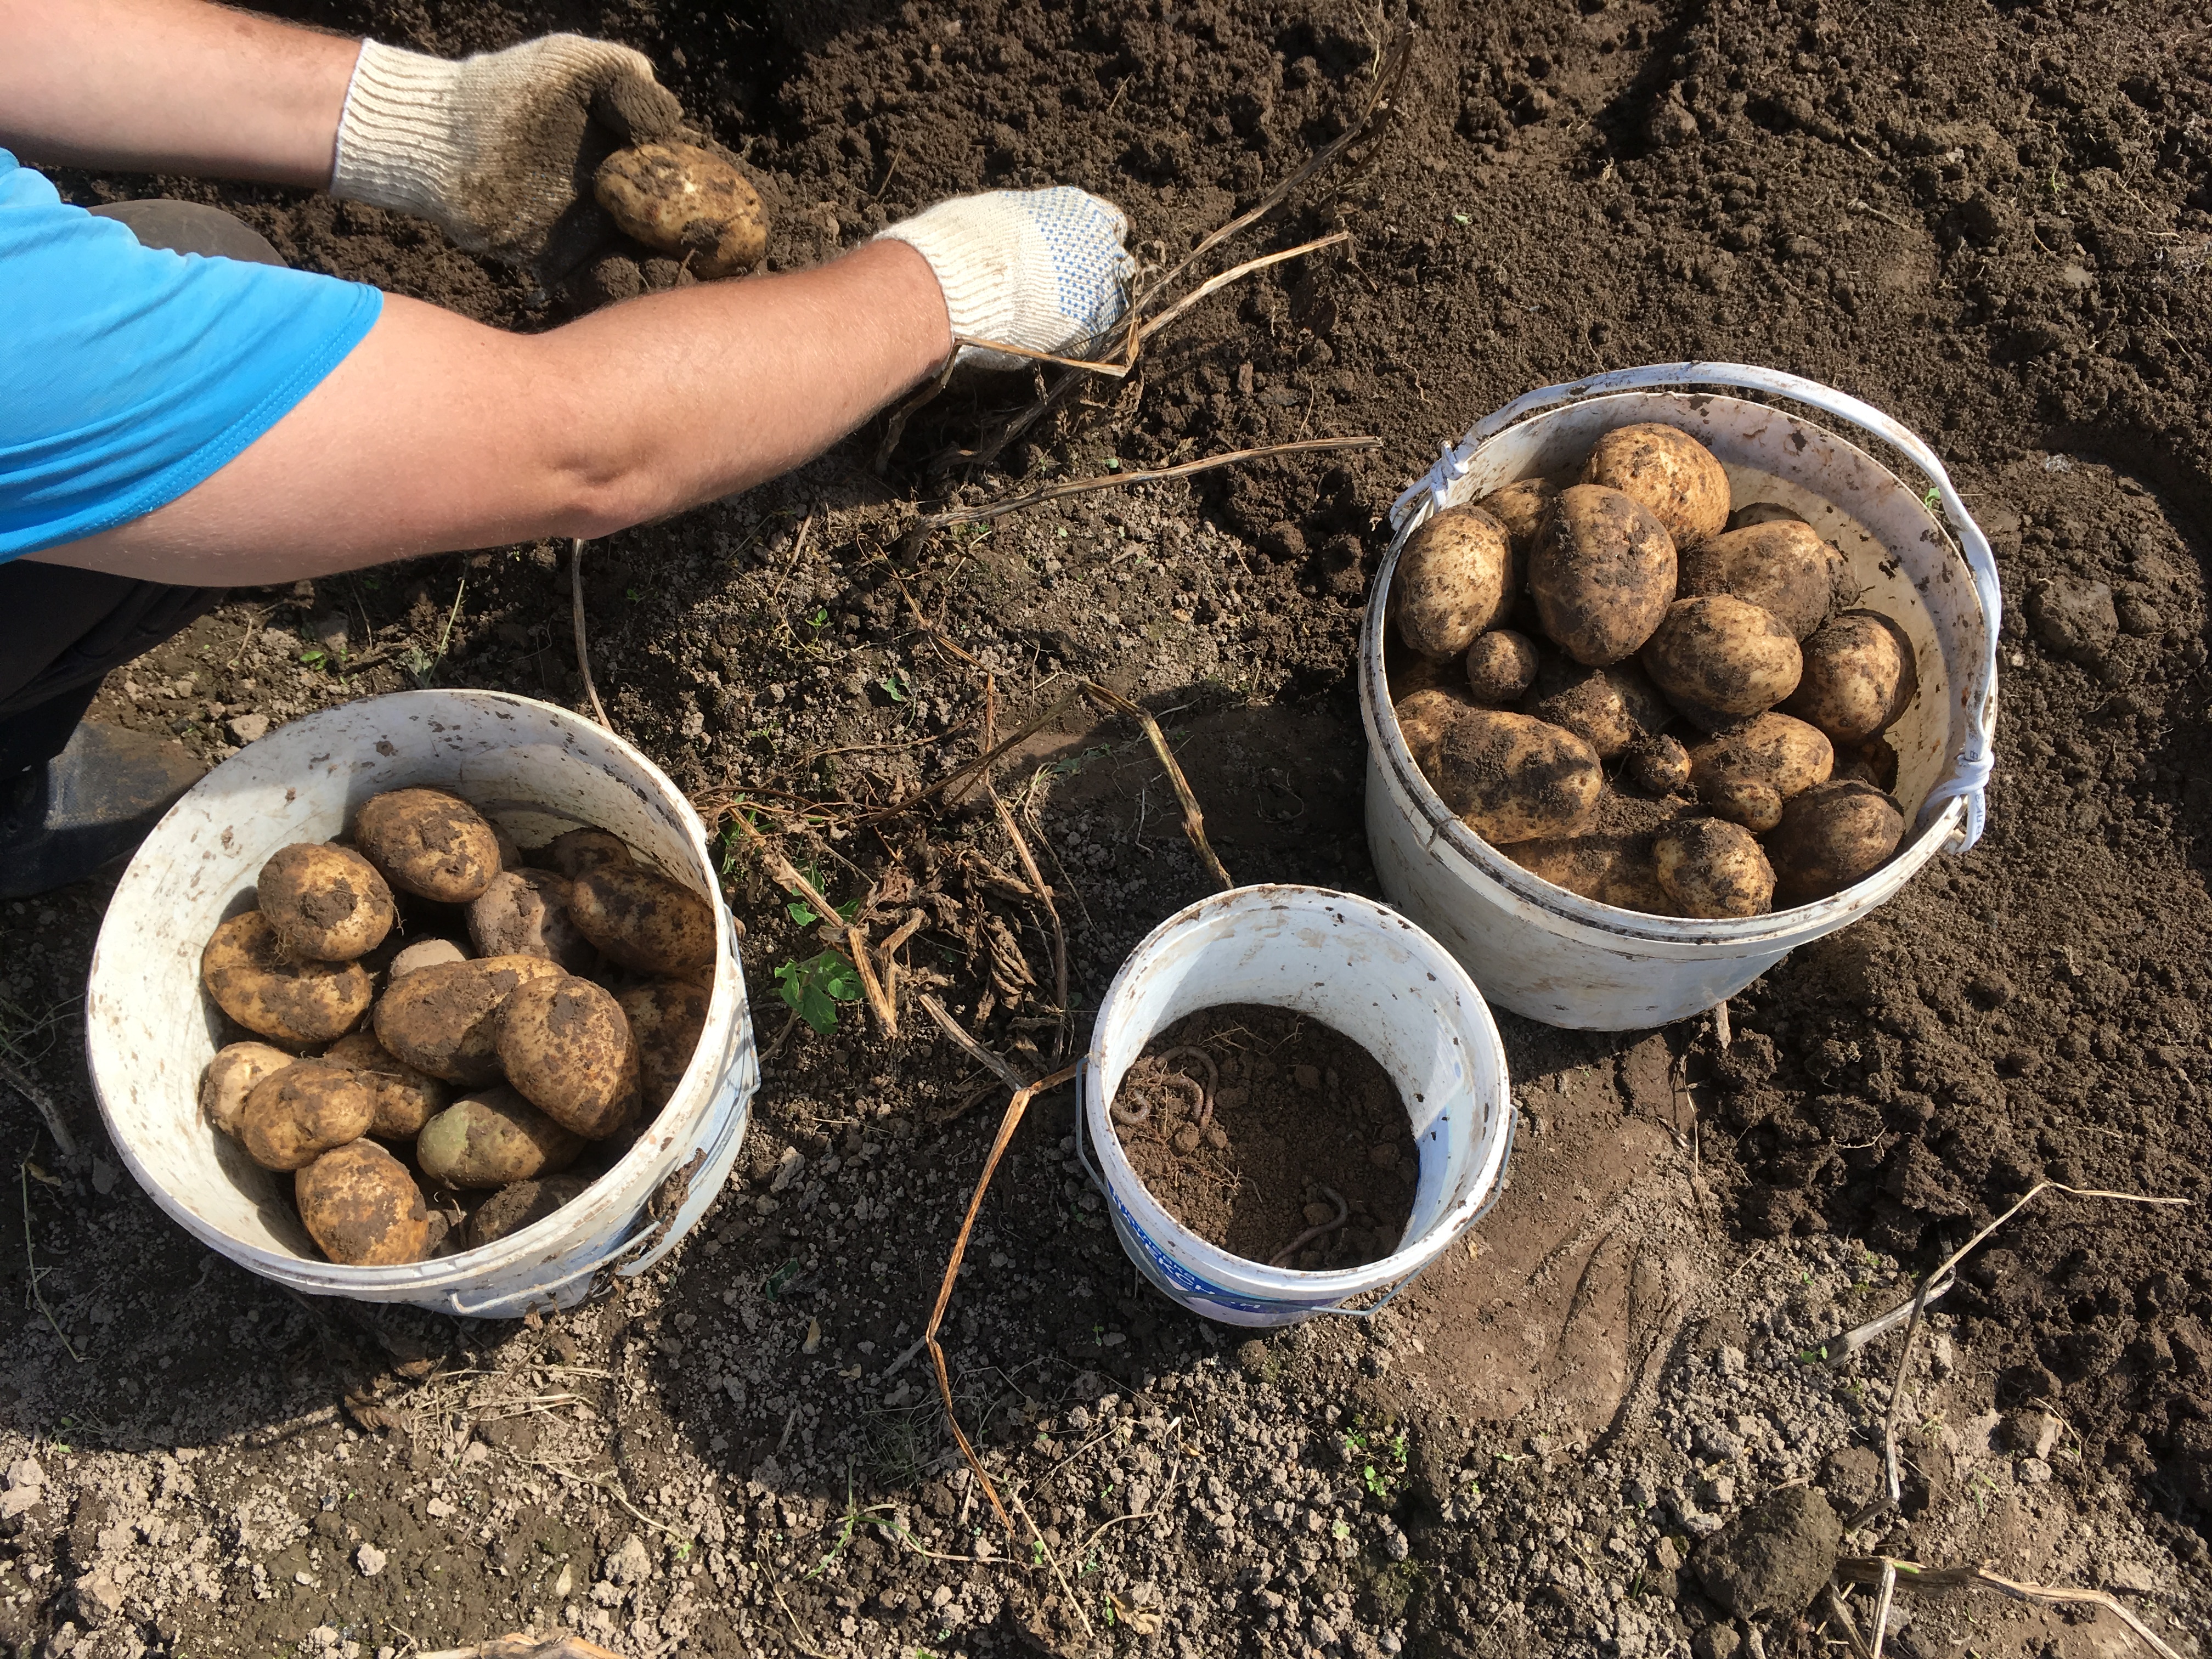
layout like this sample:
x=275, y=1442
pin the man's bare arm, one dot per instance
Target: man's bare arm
x=438, y=434
x=171, y=86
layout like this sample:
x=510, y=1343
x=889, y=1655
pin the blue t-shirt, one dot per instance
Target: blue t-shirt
x=129, y=373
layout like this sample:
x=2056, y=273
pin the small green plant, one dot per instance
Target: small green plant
x=635, y=595
x=1462, y=219
x=802, y=914
x=1339, y=1530
x=814, y=987
x=1933, y=496
x=314, y=657
x=782, y=1277
x=895, y=686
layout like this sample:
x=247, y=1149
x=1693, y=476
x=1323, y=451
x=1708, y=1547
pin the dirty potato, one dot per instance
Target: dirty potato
x=1755, y=513
x=1601, y=574
x=688, y=203
x=405, y=1098
x=262, y=985
x=1501, y=665
x=1783, y=567
x=1668, y=471
x=428, y=843
x=494, y=1139
x=639, y=918
x=1511, y=777
x=230, y=1076
x=575, y=850
x=439, y=1020
x=327, y=903
x=1520, y=508
x=423, y=953
x=1719, y=659
x=1422, y=718
x=1616, y=870
x=1859, y=676
x=513, y=1208
x=1873, y=762
x=668, y=1017
x=1453, y=580
x=1745, y=773
x=1833, y=835
x=1659, y=766
x=525, y=913
x=293, y=1116
x=567, y=1047
x=1710, y=868
x=363, y=1208
x=1608, y=709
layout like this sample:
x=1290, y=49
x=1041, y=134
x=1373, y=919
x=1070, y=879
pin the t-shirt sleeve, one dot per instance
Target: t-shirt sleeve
x=128, y=374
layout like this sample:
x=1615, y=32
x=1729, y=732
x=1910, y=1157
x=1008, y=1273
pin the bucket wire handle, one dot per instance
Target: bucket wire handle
x=1969, y=778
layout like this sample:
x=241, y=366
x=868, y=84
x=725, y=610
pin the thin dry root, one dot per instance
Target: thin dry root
x=1212, y=1078
x=1290, y=1251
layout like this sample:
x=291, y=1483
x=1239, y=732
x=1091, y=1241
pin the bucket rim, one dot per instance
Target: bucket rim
x=1241, y=1276
x=1953, y=812
x=617, y=1196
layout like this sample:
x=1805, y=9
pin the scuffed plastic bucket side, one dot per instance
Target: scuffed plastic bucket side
x=1370, y=974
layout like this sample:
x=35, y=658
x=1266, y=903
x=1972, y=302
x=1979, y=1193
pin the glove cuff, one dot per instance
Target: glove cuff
x=397, y=144
x=976, y=272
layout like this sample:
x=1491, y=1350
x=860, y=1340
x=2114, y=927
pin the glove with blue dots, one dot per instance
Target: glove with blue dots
x=1043, y=268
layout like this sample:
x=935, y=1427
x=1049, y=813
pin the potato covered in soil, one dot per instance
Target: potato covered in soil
x=1752, y=513
x=262, y=985
x=1859, y=676
x=1659, y=766
x=230, y=1076
x=1719, y=659
x=363, y=1208
x=525, y=913
x=1422, y=718
x=494, y=1139
x=1511, y=778
x=439, y=1020
x=668, y=1017
x=578, y=850
x=1746, y=772
x=513, y=1208
x=639, y=918
x=406, y=1099
x=1616, y=870
x=293, y=1116
x=1781, y=567
x=1668, y=471
x=326, y=903
x=1834, y=833
x=565, y=1045
x=1454, y=580
x=1710, y=868
x=428, y=843
x=1608, y=709
x=1520, y=508
x=423, y=953
x=1601, y=574
x=688, y=203
x=1501, y=666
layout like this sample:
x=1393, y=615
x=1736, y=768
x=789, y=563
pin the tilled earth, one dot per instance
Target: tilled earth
x=1991, y=221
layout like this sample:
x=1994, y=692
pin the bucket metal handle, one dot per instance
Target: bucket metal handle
x=1969, y=778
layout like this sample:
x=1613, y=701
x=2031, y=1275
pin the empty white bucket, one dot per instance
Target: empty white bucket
x=1365, y=970
x=149, y=1028
x=1566, y=960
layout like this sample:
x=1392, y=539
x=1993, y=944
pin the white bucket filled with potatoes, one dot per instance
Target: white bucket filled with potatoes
x=536, y=772
x=1785, y=834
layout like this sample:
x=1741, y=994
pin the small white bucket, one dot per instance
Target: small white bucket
x=1371, y=974
x=1566, y=960
x=151, y=1028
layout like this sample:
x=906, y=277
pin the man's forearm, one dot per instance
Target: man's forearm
x=438, y=434
x=171, y=86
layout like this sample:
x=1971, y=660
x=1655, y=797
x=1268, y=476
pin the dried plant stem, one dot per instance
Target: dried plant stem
x=1920, y=1302
x=983, y=761
x=780, y=869
x=17, y=1076
x=1115, y=368
x=975, y=1051
x=798, y=548
x=1214, y=285
x=1910, y=1575
x=1051, y=1561
x=887, y=953
x=895, y=427
x=1881, y=1606
x=31, y=1264
x=1007, y=1125
x=583, y=646
x=878, y=999
x=1036, y=880
x=1136, y=476
x=1842, y=1615
x=1194, y=821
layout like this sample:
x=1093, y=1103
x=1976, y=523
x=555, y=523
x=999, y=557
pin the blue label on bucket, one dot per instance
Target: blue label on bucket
x=1181, y=1278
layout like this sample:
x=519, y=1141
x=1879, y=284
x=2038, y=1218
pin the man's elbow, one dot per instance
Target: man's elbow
x=597, y=497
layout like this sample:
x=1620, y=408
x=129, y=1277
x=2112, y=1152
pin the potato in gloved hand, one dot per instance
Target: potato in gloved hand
x=688, y=203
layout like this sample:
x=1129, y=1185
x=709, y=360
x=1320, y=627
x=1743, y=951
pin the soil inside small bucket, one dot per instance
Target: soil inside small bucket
x=1307, y=1159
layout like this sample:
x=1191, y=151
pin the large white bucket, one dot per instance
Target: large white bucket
x=1364, y=969
x=151, y=1028
x=1566, y=960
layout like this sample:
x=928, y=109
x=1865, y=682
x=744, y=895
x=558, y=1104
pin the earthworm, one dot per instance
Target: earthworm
x=1213, y=1079
x=1343, y=1210
x=1134, y=1115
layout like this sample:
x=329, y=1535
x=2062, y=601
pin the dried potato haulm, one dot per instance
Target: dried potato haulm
x=254, y=979
x=1601, y=574
x=687, y=202
x=326, y=903
x=1859, y=676
x=1719, y=659
x=1454, y=581
x=1781, y=567
x=1668, y=471
x=1511, y=777
x=428, y=843
x=363, y=1208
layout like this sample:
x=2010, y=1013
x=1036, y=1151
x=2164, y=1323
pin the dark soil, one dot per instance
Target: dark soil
x=1994, y=221
x=1306, y=1130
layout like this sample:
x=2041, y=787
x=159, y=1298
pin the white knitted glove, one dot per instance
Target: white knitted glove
x=1043, y=268
x=499, y=150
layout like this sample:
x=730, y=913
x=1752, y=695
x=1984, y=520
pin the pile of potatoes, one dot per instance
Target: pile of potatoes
x=1560, y=633
x=391, y=1057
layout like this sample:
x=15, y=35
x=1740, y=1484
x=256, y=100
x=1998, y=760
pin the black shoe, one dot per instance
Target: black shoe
x=88, y=806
